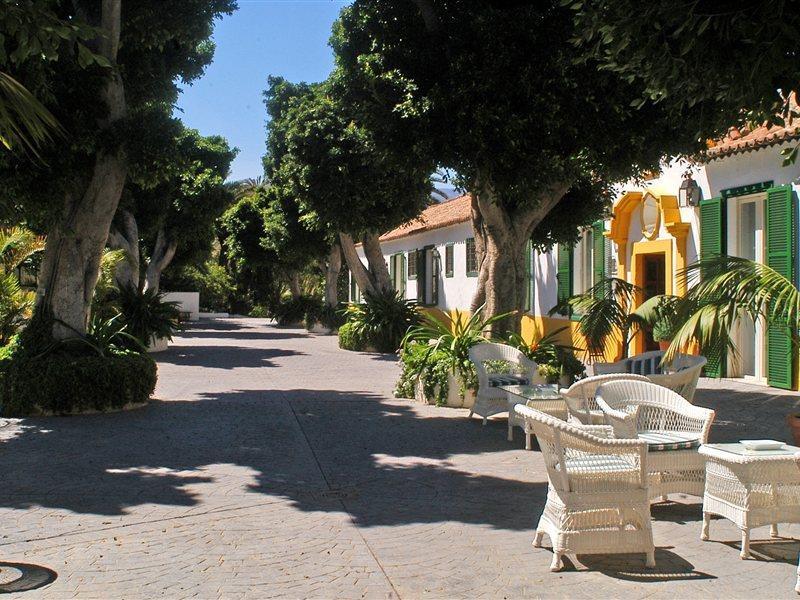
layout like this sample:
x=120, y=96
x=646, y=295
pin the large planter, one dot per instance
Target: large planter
x=320, y=329
x=454, y=398
x=664, y=345
x=158, y=344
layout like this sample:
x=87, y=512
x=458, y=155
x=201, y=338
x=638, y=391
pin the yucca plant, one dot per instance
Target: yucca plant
x=383, y=319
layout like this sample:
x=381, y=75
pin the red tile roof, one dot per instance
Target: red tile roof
x=738, y=141
x=436, y=216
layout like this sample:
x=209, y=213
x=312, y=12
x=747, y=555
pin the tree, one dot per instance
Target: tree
x=322, y=156
x=172, y=203
x=537, y=134
x=133, y=58
x=725, y=65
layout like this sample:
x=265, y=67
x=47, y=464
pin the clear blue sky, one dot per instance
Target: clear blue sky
x=264, y=37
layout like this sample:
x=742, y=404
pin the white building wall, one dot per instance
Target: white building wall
x=455, y=292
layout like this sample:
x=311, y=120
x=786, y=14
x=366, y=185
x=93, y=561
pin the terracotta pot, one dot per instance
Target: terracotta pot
x=793, y=421
x=663, y=345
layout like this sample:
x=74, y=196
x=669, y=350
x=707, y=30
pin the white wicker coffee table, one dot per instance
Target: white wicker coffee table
x=751, y=488
x=544, y=397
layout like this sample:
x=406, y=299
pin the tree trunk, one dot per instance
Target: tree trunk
x=502, y=237
x=126, y=237
x=294, y=286
x=357, y=268
x=74, y=247
x=334, y=266
x=163, y=253
x=378, y=268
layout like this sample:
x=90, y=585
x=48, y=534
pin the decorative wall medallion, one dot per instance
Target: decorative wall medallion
x=651, y=216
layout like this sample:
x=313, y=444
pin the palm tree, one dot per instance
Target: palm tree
x=17, y=245
x=24, y=121
x=722, y=289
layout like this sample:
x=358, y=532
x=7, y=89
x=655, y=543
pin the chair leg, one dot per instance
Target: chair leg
x=745, y=553
x=485, y=419
x=557, y=564
x=537, y=540
x=650, y=561
x=528, y=440
x=510, y=431
x=706, y=524
x=773, y=530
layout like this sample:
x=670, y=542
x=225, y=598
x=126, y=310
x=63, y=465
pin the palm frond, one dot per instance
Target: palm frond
x=24, y=121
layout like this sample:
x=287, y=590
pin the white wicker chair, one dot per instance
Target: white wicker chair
x=597, y=499
x=579, y=397
x=490, y=399
x=673, y=428
x=680, y=376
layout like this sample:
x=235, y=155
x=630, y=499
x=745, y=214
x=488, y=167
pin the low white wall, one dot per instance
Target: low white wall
x=188, y=302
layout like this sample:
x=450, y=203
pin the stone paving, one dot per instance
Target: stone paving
x=274, y=464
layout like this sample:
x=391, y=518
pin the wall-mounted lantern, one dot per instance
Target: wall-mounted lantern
x=689, y=194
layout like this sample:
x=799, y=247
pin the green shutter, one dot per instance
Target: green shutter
x=712, y=243
x=393, y=270
x=421, y=279
x=564, y=275
x=598, y=253
x=403, y=275
x=528, y=276
x=780, y=256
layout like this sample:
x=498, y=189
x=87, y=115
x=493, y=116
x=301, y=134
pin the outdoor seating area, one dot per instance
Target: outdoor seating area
x=614, y=442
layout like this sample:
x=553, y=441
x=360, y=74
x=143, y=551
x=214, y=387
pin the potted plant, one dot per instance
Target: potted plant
x=148, y=317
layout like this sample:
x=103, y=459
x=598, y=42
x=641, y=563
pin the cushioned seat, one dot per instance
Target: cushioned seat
x=498, y=379
x=659, y=441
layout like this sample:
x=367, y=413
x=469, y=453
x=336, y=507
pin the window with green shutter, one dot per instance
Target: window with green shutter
x=472, y=258
x=712, y=243
x=780, y=256
x=412, y=265
x=564, y=273
x=448, y=260
x=598, y=253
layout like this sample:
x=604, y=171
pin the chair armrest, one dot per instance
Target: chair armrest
x=623, y=424
x=601, y=431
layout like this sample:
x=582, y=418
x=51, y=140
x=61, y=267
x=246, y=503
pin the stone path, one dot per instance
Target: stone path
x=275, y=465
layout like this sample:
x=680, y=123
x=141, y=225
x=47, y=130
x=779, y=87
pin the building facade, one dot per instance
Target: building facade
x=748, y=207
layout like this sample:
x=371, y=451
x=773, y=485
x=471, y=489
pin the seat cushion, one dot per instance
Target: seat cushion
x=659, y=441
x=497, y=379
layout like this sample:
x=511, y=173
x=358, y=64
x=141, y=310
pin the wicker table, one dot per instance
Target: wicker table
x=751, y=488
x=543, y=397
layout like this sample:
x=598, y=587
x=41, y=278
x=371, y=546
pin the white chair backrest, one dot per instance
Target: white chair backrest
x=487, y=351
x=580, y=396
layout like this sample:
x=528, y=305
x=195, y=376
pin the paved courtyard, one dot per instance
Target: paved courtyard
x=275, y=465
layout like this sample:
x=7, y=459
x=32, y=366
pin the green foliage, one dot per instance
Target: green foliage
x=211, y=280
x=260, y=312
x=350, y=338
x=65, y=382
x=331, y=317
x=104, y=337
x=430, y=369
x=296, y=310
x=551, y=373
x=554, y=359
x=147, y=316
x=383, y=319
x=17, y=246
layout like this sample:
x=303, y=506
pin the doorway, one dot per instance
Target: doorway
x=654, y=283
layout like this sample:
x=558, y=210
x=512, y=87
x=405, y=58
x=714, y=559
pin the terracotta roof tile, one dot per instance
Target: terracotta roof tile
x=738, y=141
x=436, y=216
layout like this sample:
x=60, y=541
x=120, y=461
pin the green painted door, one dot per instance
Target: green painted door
x=564, y=273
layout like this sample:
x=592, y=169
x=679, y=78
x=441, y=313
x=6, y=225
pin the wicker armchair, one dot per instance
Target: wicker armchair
x=680, y=376
x=673, y=428
x=579, y=397
x=597, y=499
x=490, y=399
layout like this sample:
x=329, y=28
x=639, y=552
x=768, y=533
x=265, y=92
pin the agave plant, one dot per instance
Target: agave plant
x=147, y=316
x=451, y=337
x=383, y=318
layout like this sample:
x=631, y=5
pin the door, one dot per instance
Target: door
x=436, y=269
x=654, y=283
x=751, y=245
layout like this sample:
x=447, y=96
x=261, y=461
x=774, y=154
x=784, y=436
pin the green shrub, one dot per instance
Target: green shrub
x=350, y=338
x=555, y=360
x=296, y=310
x=332, y=317
x=212, y=281
x=383, y=319
x=260, y=312
x=62, y=382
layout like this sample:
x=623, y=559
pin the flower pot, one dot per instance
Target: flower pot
x=663, y=345
x=453, y=399
x=320, y=329
x=793, y=421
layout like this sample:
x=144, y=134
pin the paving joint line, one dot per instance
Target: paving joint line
x=342, y=503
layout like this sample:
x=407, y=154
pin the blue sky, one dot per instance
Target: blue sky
x=264, y=37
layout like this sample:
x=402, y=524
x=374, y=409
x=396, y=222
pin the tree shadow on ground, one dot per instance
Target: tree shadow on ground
x=241, y=335
x=224, y=357
x=385, y=461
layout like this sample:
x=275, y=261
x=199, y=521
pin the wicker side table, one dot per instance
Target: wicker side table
x=752, y=489
x=543, y=397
